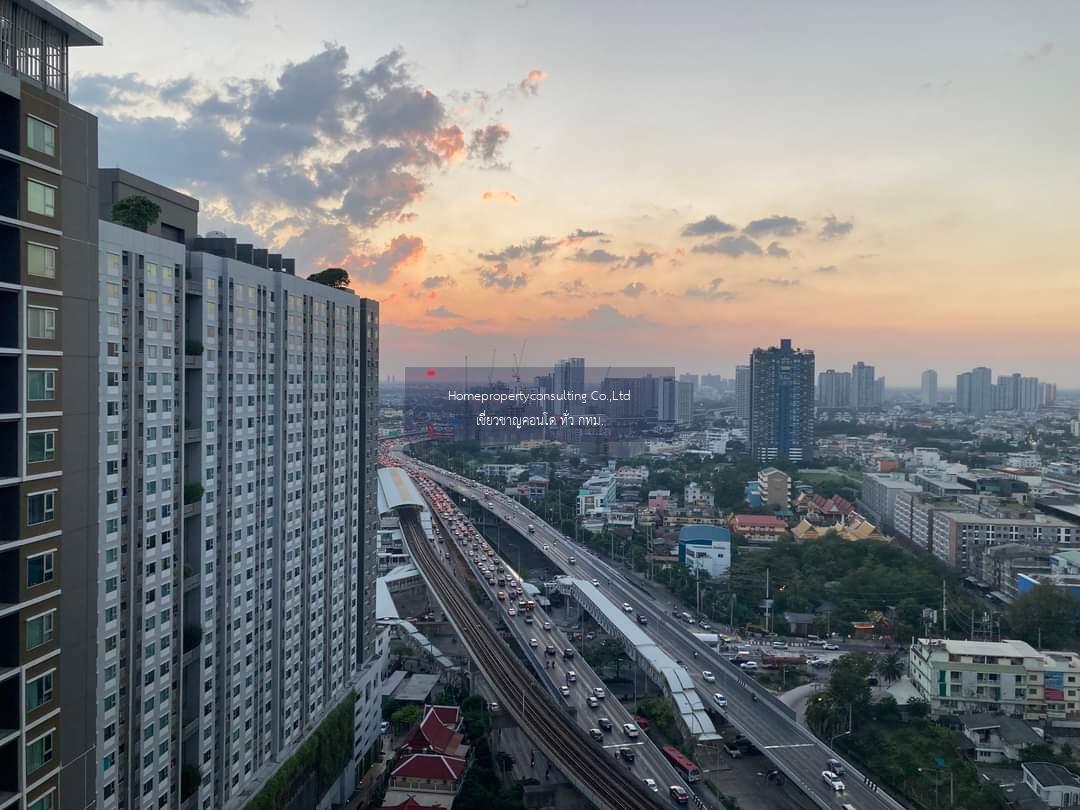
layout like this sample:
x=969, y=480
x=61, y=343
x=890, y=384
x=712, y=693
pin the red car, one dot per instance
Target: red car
x=678, y=794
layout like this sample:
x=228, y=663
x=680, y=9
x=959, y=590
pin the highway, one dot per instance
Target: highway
x=554, y=733
x=547, y=656
x=767, y=723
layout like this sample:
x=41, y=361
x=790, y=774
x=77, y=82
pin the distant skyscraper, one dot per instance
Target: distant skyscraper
x=879, y=392
x=1029, y=394
x=929, y=388
x=982, y=391
x=693, y=379
x=963, y=392
x=713, y=382
x=782, y=403
x=667, y=399
x=834, y=389
x=862, y=386
x=684, y=402
x=1007, y=392
x=569, y=375
x=1047, y=394
x=742, y=392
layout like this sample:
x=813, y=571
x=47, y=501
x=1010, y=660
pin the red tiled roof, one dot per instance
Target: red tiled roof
x=430, y=766
x=448, y=715
x=433, y=735
x=761, y=521
x=412, y=804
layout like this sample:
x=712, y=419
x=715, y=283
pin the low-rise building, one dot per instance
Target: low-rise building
x=878, y=502
x=1054, y=784
x=627, y=476
x=706, y=548
x=696, y=495
x=774, y=487
x=960, y=538
x=998, y=738
x=503, y=472
x=534, y=489
x=596, y=494
x=758, y=527
x=659, y=499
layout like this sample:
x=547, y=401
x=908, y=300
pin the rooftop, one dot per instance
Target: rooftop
x=1012, y=729
x=396, y=489
x=417, y=687
x=78, y=34
x=703, y=533
x=1049, y=773
x=430, y=766
x=1009, y=648
x=761, y=521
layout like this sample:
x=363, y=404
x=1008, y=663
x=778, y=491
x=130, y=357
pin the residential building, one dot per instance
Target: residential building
x=774, y=487
x=1047, y=394
x=963, y=392
x=863, y=392
x=684, y=403
x=1007, y=392
x=706, y=549
x=742, y=392
x=879, y=392
x=1028, y=400
x=659, y=499
x=504, y=472
x=928, y=390
x=878, y=501
x=960, y=538
x=975, y=391
x=940, y=486
x=998, y=738
x=49, y=463
x=1002, y=566
x=569, y=376
x=696, y=495
x=534, y=488
x=782, y=403
x=834, y=389
x=768, y=528
x=627, y=476
x=596, y=494
x=1053, y=784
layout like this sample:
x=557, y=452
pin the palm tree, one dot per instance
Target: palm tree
x=889, y=667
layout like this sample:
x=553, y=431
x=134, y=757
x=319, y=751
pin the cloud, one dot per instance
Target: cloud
x=1045, y=51
x=827, y=268
x=777, y=250
x=780, y=282
x=734, y=246
x=534, y=250
x=633, y=290
x=606, y=316
x=711, y=291
x=437, y=282
x=639, y=260
x=597, y=256
x=500, y=196
x=377, y=268
x=575, y=288
x=486, y=145
x=581, y=235
x=775, y=225
x=214, y=7
x=502, y=278
x=835, y=229
x=530, y=85
x=442, y=312
x=710, y=226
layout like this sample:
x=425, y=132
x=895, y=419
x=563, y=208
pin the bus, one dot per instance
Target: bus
x=689, y=771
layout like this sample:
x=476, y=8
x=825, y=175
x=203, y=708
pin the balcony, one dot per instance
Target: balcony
x=9, y=255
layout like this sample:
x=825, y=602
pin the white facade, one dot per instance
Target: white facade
x=714, y=560
x=694, y=494
x=598, y=493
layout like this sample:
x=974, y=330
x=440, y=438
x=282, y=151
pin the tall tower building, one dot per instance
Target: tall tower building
x=48, y=434
x=982, y=391
x=834, y=389
x=1028, y=399
x=742, y=392
x=239, y=516
x=1007, y=393
x=569, y=375
x=862, y=386
x=879, y=392
x=928, y=393
x=782, y=403
x=963, y=391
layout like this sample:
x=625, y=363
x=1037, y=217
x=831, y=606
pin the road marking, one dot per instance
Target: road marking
x=792, y=745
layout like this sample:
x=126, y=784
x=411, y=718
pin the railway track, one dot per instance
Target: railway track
x=577, y=756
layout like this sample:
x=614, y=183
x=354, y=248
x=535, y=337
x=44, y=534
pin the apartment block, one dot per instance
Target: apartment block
x=774, y=487
x=879, y=492
x=596, y=494
x=960, y=538
x=48, y=415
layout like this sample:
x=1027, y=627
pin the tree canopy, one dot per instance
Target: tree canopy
x=334, y=277
x=1045, y=615
x=136, y=212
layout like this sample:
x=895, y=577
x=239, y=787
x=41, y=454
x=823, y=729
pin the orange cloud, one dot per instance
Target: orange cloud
x=402, y=252
x=449, y=144
x=530, y=85
x=500, y=196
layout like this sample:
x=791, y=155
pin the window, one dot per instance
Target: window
x=151, y=298
x=39, y=691
x=39, y=568
x=40, y=198
x=40, y=136
x=40, y=260
x=40, y=446
x=41, y=323
x=46, y=802
x=40, y=507
x=112, y=292
x=39, y=630
x=40, y=385
x=39, y=752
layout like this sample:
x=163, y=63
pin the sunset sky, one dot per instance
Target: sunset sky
x=636, y=182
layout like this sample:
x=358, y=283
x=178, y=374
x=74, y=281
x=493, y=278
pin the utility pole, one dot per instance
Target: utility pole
x=768, y=604
x=944, y=612
x=731, y=621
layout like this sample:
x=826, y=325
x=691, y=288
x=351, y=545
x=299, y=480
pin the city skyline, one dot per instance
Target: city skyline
x=485, y=199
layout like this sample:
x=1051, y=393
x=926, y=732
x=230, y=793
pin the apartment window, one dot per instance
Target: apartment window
x=46, y=802
x=40, y=385
x=151, y=298
x=40, y=198
x=39, y=568
x=40, y=136
x=40, y=507
x=40, y=446
x=39, y=630
x=112, y=266
x=40, y=260
x=41, y=323
x=39, y=752
x=112, y=292
x=39, y=691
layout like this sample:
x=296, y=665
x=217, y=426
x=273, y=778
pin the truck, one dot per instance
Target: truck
x=777, y=661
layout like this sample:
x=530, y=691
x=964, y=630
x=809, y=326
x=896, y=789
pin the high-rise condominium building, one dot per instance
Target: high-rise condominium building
x=742, y=392
x=1028, y=399
x=1007, y=393
x=782, y=403
x=48, y=447
x=569, y=375
x=863, y=391
x=237, y=438
x=834, y=389
x=928, y=393
x=982, y=391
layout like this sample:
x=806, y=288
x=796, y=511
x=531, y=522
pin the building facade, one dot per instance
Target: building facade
x=961, y=538
x=706, y=549
x=878, y=501
x=928, y=388
x=863, y=391
x=834, y=389
x=48, y=450
x=742, y=392
x=774, y=488
x=782, y=403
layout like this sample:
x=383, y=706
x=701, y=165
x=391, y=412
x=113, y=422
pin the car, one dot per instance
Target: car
x=550, y=650
x=604, y=723
x=384, y=727
x=830, y=647
x=528, y=618
x=547, y=625
x=708, y=677
x=678, y=794
x=780, y=645
x=835, y=766
x=642, y=618
x=626, y=754
x=749, y=665
x=547, y=547
x=706, y=626
x=571, y=560
x=446, y=555
x=511, y=612
x=568, y=653
x=599, y=693
x=565, y=691
x=493, y=706
x=596, y=583
x=593, y=702
x=719, y=700
x=534, y=643
x=651, y=784
x=596, y=734
x=630, y=730
x=571, y=676
x=626, y=607
x=833, y=781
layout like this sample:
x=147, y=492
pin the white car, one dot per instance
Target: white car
x=830, y=647
x=565, y=690
x=626, y=607
x=719, y=700
x=593, y=702
x=748, y=665
x=547, y=625
x=547, y=547
x=708, y=677
x=833, y=781
x=533, y=642
x=630, y=730
x=596, y=583
x=651, y=784
x=782, y=645
x=598, y=692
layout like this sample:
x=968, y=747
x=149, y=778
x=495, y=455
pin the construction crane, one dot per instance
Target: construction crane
x=491, y=373
x=518, y=360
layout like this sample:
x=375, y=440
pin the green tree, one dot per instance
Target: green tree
x=889, y=667
x=1047, y=615
x=406, y=716
x=331, y=277
x=136, y=212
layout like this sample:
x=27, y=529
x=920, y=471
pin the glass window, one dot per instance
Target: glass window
x=39, y=568
x=40, y=136
x=39, y=691
x=40, y=446
x=40, y=198
x=151, y=298
x=39, y=630
x=40, y=385
x=46, y=802
x=40, y=508
x=39, y=752
x=41, y=323
x=112, y=265
x=41, y=260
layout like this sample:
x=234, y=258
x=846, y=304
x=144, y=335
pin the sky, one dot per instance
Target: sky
x=635, y=182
